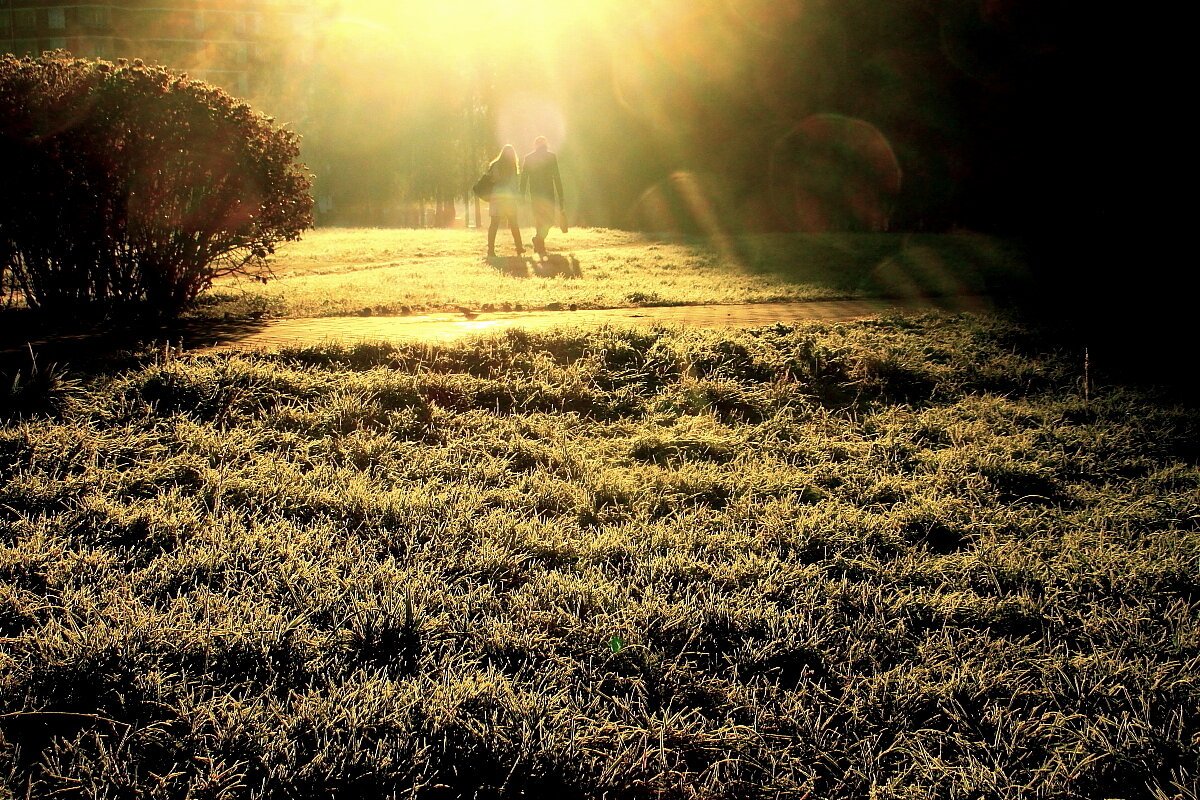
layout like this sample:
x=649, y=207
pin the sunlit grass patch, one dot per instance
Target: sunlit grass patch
x=366, y=271
x=905, y=558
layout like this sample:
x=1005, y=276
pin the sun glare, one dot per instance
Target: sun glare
x=519, y=57
x=469, y=25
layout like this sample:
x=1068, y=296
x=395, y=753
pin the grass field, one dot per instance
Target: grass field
x=907, y=558
x=340, y=272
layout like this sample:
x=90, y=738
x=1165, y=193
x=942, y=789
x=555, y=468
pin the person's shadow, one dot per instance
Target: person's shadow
x=513, y=266
x=555, y=265
x=552, y=266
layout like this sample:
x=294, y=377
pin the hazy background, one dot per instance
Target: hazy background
x=744, y=114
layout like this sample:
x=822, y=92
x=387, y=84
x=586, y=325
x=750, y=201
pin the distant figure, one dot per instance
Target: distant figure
x=503, y=202
x=540, y=178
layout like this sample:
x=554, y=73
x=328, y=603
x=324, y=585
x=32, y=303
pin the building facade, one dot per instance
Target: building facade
x=244, y=46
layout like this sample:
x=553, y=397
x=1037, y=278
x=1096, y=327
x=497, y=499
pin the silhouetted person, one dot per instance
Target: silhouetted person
x=540, y=178
x=503, y=202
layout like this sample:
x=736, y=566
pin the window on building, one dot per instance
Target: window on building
x=198, y=22
x=102, y=48
x=24, y=19
x=56, y=18
x=5, y=22
x=94, y=16
x=57, y=43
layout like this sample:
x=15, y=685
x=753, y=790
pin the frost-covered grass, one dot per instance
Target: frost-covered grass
x=905, y=558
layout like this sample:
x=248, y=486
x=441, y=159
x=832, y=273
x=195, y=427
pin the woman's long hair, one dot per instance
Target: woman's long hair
x=506, y=162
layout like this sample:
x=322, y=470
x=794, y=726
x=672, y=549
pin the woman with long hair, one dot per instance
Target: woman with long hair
x=503, y=202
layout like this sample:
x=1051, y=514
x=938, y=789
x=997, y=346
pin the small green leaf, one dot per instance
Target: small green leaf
x=615, y=644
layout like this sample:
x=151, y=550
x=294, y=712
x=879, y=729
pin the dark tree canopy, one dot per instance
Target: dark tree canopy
x=126, y=184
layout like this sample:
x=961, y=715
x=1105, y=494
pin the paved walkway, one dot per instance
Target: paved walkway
x=449, y=327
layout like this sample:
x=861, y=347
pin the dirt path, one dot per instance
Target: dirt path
x=448, y=327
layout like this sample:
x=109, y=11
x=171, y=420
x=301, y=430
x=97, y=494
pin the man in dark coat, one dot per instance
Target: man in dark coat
x=540, y=178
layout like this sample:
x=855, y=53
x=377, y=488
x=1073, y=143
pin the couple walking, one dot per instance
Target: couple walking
x=536, y=176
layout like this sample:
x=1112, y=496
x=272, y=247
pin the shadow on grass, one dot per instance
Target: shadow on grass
x=555, y=265
x=513, y=266
x=896, y=265
x=90, y=345
x=552, y=266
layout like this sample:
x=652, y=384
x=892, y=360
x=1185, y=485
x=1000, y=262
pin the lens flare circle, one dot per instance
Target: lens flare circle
x=833, y=172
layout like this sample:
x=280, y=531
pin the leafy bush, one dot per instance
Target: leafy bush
x=127, y=184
